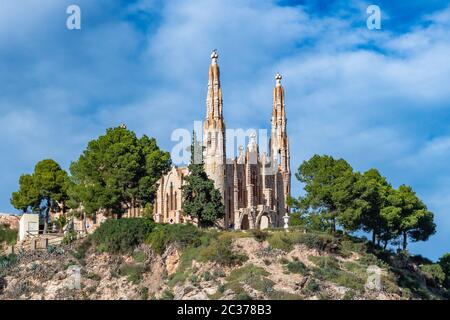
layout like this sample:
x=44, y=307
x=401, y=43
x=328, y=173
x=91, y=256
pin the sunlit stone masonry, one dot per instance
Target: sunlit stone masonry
x=254, y=186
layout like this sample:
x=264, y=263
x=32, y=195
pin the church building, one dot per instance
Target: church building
x=254, y=186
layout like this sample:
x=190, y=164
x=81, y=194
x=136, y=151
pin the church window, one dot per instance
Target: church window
x=208, y=141
x=167, y=203
x=175, y=204
x=171, y=196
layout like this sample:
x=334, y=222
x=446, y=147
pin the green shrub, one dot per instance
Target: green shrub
x=144, y=293
x=411, y=284
x=194, y=279
x=312, y=286
x=419, y=259
x=220, y=251
x=181, y=234
x=212, y=246
x=318, y=241
x=133, y=272
x=207, y=276
x=325, y=296
x=94, y=276
x=7, y=261
x=243, y=296
x=281, y=295
x=446, y=294
x=188, y=255
x=167, y=295
x=433, y=274
x=261, y=284
x=444, y=262
x=348, y=246
x=218, y=273
x=328, y=269
x=139, y=256
x=121, y=235
x=389, y=283
x=54, y=250
x=7, y=235
x=370, y=259
x=286, y=240
x=259, y=235
x=280, y=240
x=325, y=262
x=297, y=267
x=80, y=252
x=253, y=276
x=356, y=268
x=69, y=237
x=349, y=295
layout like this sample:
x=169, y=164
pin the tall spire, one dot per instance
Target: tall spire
x=278, y=112
x=214, y=102
x=214, y=133
x=279, y=142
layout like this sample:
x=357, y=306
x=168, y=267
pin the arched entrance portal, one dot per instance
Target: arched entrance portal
x=264, y=224
x=245, y=223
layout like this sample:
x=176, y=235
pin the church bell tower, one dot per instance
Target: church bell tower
x=214, y=130
x=279, y=142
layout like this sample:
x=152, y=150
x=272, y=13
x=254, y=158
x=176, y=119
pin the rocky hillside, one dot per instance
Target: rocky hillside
x=217, y=265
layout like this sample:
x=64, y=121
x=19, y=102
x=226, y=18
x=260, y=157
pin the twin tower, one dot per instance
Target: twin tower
x=254, y=186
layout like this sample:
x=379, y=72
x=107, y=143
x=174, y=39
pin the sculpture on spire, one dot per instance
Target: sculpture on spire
x=214, y=56
x=278, y=78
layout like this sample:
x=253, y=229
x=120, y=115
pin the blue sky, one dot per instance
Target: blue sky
x=377, y=98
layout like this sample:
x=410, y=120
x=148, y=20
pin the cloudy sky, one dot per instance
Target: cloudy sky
x=378, y=98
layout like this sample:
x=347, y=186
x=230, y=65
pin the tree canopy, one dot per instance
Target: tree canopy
x=408, y=216
x=117, y=171
x=44, y=190
x=329, y=188
x=336, y=196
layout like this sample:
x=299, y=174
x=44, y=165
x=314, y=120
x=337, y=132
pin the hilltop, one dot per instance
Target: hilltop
x=129, y=259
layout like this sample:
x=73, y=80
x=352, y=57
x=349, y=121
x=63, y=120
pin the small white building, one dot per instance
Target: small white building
x=28, y=224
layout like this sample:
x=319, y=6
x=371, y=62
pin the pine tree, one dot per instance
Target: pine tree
x=117, y=171
x=42, y=191
x=201, y=199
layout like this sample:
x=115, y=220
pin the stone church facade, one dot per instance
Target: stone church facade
x=254, y=186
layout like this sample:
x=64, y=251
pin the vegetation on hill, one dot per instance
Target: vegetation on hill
x=444, y=263
x=7, y=235
x=184, y=262
x=122, y=235
x=339, y=198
